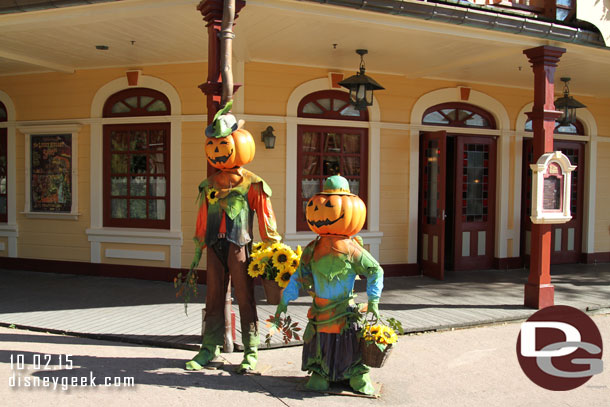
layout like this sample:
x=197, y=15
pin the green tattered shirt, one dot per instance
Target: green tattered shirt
x=228, y=212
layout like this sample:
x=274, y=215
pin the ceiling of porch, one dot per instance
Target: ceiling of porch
x=146, y=32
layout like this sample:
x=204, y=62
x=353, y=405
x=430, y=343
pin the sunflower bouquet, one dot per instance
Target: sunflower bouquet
x=276, y=262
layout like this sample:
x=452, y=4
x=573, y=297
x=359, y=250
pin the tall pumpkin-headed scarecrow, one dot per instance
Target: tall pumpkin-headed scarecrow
x=328, y=268
x=228, y=200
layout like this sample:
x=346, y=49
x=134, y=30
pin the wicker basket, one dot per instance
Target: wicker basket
x=372, y=356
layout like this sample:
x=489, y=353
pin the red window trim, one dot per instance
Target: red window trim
x=134, y=112
x=364, y=154
x=135, y=223
x=329, y=114
x=463, y=106
x=580, y=129
x=4, y=144
x=3, y=147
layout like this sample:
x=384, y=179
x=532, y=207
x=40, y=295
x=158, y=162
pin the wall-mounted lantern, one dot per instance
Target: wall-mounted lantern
x=361, y=86
x=268, y=137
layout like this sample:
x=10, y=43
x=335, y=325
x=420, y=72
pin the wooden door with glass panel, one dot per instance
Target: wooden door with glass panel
x=432, y=204
x=475, y=179
x=326, y=151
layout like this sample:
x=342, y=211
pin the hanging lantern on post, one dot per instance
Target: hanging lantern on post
x=361, y=86
x=568, y=105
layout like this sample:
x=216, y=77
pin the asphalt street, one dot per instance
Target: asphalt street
x=468, y=367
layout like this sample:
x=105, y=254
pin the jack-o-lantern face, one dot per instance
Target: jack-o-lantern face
x=342, y=215
x=232, y=151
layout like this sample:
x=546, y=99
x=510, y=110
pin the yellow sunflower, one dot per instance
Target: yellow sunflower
x=299, y=251
x=255, y=269
x=386, y=336
x=257, y=246
x=283, y=277
x=371, y=332
x=212, y=196
x=293, y=263
x=262, y=255
x=281, y=259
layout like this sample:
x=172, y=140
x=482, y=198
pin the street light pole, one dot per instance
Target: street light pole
x=219, y=88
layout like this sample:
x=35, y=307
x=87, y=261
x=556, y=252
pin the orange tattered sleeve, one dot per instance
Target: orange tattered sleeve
x=202, y=221
x=261, y=204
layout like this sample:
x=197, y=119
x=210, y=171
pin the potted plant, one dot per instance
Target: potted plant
x=275, y=264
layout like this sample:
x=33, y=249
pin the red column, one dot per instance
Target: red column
x=212, y=10
x=539, y=292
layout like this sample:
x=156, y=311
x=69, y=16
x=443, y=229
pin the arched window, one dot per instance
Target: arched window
x=3, y=166
x=136, y=161
x=137, y=102
x=458, y=115
x=576, y=128
x=330, y=104
x=329, y=150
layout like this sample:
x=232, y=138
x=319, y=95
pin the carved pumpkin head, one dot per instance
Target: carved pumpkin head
x=336, y=211
x=228, y=145
x=232, y=151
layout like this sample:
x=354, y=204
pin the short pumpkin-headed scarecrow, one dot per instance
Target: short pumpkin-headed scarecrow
x=228, y=200
x=328, y=268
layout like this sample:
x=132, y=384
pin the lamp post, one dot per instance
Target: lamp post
x=567, y=105
x=361, y=86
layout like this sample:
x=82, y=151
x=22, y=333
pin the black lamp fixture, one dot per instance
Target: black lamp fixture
x=567, y=104
x=361, y=86
x=268, y=137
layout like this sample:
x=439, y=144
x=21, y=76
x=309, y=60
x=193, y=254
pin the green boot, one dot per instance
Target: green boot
x=206, y=354
x=362, y=383
x=251, y=341
x=317, y=382
x=213, y=338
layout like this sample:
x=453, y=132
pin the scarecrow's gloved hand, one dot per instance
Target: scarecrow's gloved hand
x=281, y=309
x=197, y=258
x=373, y=308
x=275, y=320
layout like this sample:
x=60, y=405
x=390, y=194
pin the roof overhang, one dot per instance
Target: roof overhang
x=297, y=33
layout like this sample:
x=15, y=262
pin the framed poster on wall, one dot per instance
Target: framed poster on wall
x=51, y=173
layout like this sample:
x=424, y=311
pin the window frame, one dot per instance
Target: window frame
x=137, y=111
x=326, y=114
x=580, y=129
x=456, y=123
x=108, y=221
x=329, y=114
x=301, y=224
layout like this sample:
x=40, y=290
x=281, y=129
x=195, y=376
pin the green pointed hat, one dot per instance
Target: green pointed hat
x=336, y=185
x=224, y=123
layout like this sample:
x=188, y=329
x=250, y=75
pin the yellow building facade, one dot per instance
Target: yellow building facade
x=43, y=103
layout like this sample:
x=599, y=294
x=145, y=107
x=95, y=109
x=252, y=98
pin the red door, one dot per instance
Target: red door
x=433, y=150
x=566, y=238
x=475, y=178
